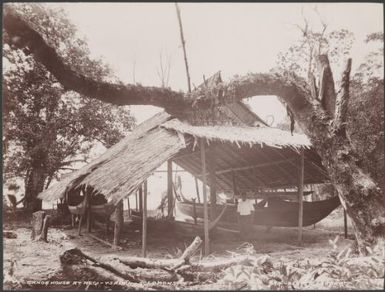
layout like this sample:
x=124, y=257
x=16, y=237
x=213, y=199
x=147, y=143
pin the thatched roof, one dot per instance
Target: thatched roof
x=241, y=135
x=259, y=157
x=123, y=167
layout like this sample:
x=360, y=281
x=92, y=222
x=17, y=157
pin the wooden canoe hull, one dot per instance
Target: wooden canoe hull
x=278, y=213
x=101, y=210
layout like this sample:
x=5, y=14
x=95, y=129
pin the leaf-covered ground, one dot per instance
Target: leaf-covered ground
x=275, y=260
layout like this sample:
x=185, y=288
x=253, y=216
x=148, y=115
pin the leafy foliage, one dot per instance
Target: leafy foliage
x=45, y=126
x=301, y=57
x=366, y=111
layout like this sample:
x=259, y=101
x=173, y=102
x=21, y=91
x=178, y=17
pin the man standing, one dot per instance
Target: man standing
x=245, y=209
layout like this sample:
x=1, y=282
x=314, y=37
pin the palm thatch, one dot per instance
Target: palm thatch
x=122, y=163
x=241, y=135
x=263, y=157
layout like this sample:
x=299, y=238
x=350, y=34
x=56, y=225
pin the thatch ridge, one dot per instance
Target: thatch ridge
x=272, y=137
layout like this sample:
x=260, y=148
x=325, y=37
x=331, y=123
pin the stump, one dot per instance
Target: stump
x=40, y=223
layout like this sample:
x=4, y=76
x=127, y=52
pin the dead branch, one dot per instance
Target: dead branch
x=342, y=100
x=326, y=94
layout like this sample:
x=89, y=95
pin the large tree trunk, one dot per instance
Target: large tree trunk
x=359, y=193
x=34, y=185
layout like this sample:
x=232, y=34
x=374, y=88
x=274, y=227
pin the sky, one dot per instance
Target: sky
x=234, y=38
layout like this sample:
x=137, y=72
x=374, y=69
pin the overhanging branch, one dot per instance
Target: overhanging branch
x=290, y=88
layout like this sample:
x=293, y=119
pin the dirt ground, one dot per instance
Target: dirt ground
x=26, y=260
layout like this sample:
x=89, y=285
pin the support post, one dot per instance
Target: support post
x=118, y=223
x=170, y=202
x=345, y=224
x=136, y=201
x=144, y=220
x=213, y=182
x=89, y=214
x=197, y=190
x=128, y=206
x=195, y=211
x=141, y=200
x=234, y=185
x=300, y=196
x=205, y=209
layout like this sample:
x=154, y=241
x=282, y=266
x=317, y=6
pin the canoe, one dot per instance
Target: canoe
x=277, y=213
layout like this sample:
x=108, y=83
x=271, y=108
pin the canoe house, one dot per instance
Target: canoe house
x=242, y=154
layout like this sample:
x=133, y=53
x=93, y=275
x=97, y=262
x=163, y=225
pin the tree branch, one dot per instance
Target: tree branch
x=22, y=35
x=342, y=100
x=292, y=89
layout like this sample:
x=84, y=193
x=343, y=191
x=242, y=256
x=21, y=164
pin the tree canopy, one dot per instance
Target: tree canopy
x=45, y=126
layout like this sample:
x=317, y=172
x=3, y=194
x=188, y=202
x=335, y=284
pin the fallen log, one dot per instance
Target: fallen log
x=216, y=266
x=167, y=264
x=76, y=263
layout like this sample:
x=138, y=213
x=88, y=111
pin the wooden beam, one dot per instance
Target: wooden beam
x=205, y=210
x=144, y=229
x=253, y=166
x=213, y=182
x=181, y=156
x=300, y=197
x=170, y=197
x=292, y=176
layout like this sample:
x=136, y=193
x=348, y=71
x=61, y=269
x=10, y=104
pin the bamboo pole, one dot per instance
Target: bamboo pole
x=89, y=214
x=300, y=197
x=144, y=230
x=140, y=200
x=169, y=190
x=136, y=200
x=213, y=182
x=128, y=206
x=183, y=45
x=205, y=209
x=197, y=190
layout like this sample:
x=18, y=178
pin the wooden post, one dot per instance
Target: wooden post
x=197, y=190
x=89, y=214
x=234, y=184
x=136, y=200
x=195, y=211
x=205, y=210
x=128, y=206
x=118, y=223
x=300, y=197
x=144, y=220
x=140, y=200
x=213, y=183
x=169, y=190
x=80, y=225
x=44, y=230
x=345, y=224
x=37, y=223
